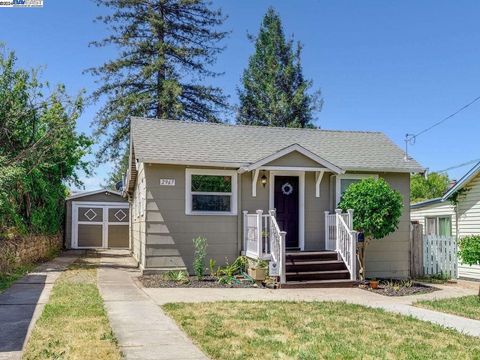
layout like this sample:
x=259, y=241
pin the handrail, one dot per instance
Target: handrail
x=263, y=239
x=346, y=242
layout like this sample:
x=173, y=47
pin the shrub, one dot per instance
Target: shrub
x=470, y=250
x=177, y=276
x=200, y=244
x=377, y=209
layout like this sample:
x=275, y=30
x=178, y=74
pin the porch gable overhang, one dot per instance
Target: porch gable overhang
x=325, y=164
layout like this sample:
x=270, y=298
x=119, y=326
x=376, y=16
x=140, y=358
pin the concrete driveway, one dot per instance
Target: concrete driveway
x=23, y=303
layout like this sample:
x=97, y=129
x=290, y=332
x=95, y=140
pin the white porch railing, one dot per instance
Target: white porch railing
x=262, y=239
x=340, y=237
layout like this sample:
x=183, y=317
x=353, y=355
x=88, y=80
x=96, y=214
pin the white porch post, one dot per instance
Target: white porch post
x=353, y=256
x=338, y=213
x=259, y=233
x=283, y=278
x=350, y=218
x=245, y=231
x=327, y=230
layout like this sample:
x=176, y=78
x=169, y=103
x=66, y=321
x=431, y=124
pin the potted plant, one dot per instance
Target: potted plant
x=258, y=271
x=373, y=283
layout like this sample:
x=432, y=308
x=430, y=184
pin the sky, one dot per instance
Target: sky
x=396, y=66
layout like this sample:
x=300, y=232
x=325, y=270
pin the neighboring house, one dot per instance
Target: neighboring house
x=441, y=216
x=189, y=179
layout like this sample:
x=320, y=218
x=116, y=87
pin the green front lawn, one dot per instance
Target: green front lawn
x=319, y=330
x=466, y=306
x=74, y=323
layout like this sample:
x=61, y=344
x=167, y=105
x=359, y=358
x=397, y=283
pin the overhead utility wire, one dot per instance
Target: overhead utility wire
x=458, y=166
x=411, y=138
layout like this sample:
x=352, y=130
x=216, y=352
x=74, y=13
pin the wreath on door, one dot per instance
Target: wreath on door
x=287, y=189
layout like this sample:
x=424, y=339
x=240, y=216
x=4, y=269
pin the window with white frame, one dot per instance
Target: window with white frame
x=344, y=181
x=438, y=225
x=211, y=192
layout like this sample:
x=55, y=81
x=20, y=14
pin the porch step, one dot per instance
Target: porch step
x=312, y=255
x=318, y=275
x=337, y=283
x=313, y=265
x=310, y=269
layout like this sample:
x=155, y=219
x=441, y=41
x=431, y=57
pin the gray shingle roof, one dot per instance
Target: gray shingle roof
x=180, y=142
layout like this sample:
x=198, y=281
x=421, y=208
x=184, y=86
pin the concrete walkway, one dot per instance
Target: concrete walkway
x=141, y=327
x=23, y=303
x=401, y=305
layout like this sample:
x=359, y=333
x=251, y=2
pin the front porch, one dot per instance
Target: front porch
x=335, y=266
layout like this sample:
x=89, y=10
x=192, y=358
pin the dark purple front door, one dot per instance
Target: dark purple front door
x=286, y=203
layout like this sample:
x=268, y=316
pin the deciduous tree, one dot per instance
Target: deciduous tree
x=377, y=210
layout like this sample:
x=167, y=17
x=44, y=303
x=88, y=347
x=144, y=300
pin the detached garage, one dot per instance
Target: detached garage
x=97, y=219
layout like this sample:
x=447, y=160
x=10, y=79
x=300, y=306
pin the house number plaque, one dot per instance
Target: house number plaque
x=167, y=182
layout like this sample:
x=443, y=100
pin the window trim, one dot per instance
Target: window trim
x=188, y=191
x=338, y=179
x=437, y=224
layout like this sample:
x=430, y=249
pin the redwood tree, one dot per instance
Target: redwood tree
x=167, y=48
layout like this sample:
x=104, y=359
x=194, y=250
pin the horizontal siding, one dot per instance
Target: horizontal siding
x=440, y=209
x=469, y=209
x=469, y=272
x=469, y=222
x=169, y=231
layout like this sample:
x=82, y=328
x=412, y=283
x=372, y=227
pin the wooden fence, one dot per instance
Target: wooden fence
x=440, y=256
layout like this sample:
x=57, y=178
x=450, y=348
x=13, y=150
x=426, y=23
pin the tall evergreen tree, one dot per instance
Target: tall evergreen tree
x=274, y=91
x=167, y=48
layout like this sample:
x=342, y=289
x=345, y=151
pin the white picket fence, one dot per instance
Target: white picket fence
x=440, y=256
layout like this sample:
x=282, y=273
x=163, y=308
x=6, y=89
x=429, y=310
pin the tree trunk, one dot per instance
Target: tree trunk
x=361, y=249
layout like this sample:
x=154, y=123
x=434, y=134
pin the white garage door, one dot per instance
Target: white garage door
x=99, y=225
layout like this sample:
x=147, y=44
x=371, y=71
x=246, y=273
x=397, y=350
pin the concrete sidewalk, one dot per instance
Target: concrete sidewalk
x=400, y=305
x=141, y=327
x=23, y=303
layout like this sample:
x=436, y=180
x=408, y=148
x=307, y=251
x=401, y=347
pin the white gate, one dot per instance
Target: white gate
x=440, y=256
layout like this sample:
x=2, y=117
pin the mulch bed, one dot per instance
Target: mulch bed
x=397, y=288
x=157, y=281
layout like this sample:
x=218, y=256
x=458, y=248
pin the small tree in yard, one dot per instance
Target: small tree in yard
x=377, y=209
x=470, y=251
x=200, y=244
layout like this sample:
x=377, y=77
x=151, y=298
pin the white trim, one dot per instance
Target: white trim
x=192, y=163
x=87, y=193
x=386, y=170
x=338, y=178
x=288, y=150
x=292, y=168
x=188, y=193
x=105, y=206
x=301, y=200
x=318, y=181
x=254, y=182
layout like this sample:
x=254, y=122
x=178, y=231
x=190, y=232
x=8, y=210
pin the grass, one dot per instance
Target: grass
x=8, y=278
x=318, y=330
x=74, y=324
x=466, y=306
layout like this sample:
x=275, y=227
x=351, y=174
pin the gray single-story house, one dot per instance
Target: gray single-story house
x=444, y=217
x=265, y=192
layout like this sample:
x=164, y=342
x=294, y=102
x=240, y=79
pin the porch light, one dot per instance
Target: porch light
x=263, y=179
